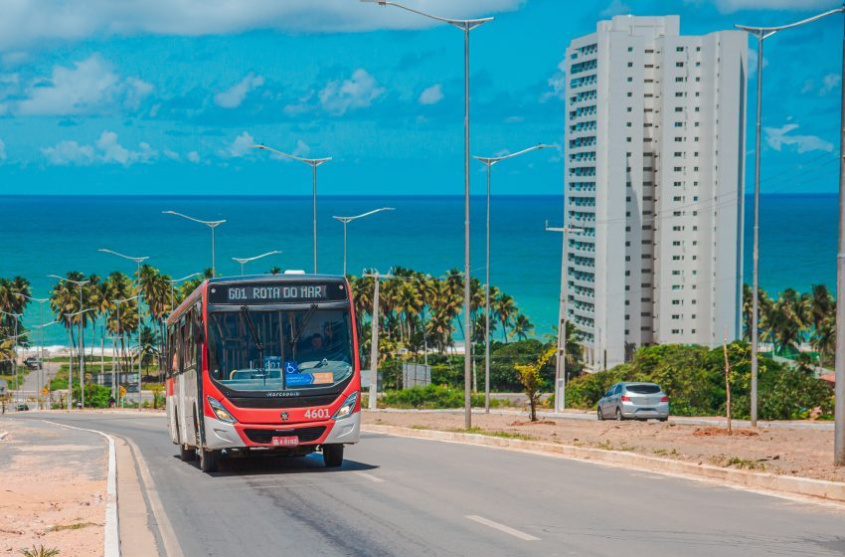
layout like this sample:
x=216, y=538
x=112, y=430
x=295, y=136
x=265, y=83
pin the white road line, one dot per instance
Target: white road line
x=165, y=528
x=111, y=541
x=369, y=477
x=502, y=528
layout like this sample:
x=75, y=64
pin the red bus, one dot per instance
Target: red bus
x=264, y=363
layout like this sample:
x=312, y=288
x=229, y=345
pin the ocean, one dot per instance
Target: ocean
x=42, y=235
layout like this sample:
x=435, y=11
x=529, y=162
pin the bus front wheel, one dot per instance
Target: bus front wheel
x=208, y=459
x=333, y=456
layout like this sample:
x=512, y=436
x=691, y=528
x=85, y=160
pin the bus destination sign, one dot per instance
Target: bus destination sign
x=264, y=293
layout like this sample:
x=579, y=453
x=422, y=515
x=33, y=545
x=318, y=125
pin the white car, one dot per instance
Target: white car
x=634, y=401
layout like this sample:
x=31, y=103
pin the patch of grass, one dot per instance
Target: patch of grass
x=605, y=445
x=664, y=452
x=40, y=551
x=77, y=526
x=419, y=427
x=503, y=434
x=744, y=464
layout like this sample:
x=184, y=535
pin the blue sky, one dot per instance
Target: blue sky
x=165, y=96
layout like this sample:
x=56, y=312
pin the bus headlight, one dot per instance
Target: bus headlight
x=220, y=411
x=347, y=407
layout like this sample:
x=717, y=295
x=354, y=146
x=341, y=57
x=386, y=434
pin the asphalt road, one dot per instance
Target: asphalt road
x=406, y=497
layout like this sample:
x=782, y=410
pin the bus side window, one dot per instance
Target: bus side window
x=181, y=344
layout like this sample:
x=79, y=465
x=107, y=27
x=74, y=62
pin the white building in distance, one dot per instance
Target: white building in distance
x=655, y=144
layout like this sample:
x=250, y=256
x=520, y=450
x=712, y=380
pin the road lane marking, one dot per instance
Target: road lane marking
x=369, y=477
x=111, y=536
x=165, y=528
x=502, y=528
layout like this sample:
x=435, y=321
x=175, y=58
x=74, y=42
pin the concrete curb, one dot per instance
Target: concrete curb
x=111, y=536
x=805, y=487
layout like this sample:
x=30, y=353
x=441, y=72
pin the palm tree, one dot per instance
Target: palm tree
x=522, y=327
x=822, y=312
x=505, y=310
x=786, y=319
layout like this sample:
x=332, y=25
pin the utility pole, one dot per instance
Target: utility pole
x=374, y=338
x=560, y=367
x=839, y=388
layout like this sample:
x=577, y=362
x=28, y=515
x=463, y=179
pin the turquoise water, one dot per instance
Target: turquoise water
x=40, y=235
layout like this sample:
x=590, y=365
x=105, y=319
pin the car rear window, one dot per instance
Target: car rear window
x=642, y=389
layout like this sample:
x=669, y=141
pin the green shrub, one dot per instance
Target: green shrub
x=428, y=397
x=693, y=377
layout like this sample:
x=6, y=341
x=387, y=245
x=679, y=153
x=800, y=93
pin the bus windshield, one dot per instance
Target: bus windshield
x=259, y=350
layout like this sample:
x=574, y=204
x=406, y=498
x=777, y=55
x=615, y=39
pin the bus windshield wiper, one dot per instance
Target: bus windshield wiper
x=295, y=339
x=255, y=338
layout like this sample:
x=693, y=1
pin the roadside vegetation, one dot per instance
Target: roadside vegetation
x=693, y=377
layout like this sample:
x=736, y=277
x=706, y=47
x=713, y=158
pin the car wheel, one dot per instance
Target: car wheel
x=599, y=414
x=619, y=417
x=664, y=419
x=333, y=455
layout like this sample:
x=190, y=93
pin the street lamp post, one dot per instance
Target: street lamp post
x=138, y=261
x=313, y=163
x=560, y=364
x=81, y=353
x=489, y=162
x=16, y=317
x=79, y=284
x=245, y=260
x=118, y=302
x=41, y=302
x=839, y=442
x=347, y=220
x=466, y=25
x=212, y=224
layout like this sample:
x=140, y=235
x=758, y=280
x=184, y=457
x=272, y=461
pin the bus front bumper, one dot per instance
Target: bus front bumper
x=222, y=435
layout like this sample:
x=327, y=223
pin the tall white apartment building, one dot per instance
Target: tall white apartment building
x=655, y=137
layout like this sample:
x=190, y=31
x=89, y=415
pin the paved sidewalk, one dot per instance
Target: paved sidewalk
x=52, y=488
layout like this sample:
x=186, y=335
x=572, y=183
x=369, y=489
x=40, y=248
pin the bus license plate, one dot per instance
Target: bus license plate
x=286, y=441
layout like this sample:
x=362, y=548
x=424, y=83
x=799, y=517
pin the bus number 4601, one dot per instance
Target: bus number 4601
x=317, y=413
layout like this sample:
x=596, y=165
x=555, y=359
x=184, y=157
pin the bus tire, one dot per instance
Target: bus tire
x=333, y=455
x=208, y=460
x=186, y=453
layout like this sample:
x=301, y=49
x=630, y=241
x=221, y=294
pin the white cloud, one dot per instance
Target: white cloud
x=193, y=157
x=731, y=6
x=432, y=95
x=26, y=22
x=616, y=7
x=107, y=150
x=240, y=146
x=359, y=91
x=557, y=84
x=69, y=152
x=777, y=138
x=172, y=155
x=90, y=86
x=235, y=95
x=2, y=150
x=302, y=149
x=830, y=83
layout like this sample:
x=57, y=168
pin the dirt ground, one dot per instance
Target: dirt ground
x=51, y=493
x=797, y=452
